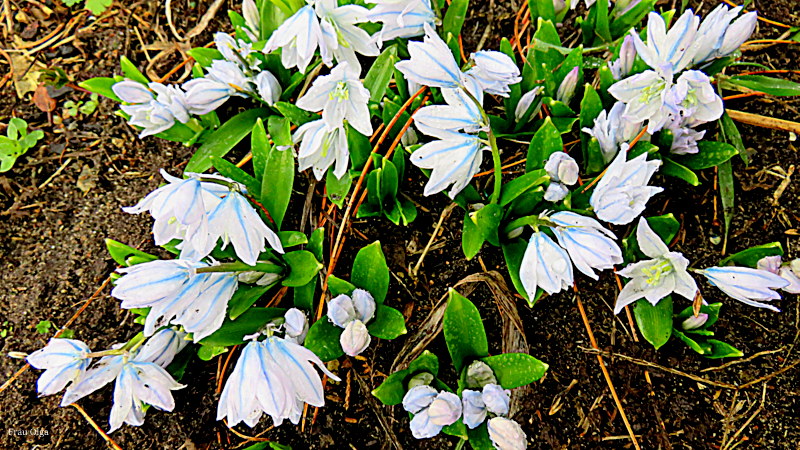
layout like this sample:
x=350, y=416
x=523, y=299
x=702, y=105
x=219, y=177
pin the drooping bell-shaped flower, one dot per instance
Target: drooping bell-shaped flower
x=340, y=96
x=63, y=361
x=162, y=347
x=589, y=244
x=788, y=271
x=749, y=286
x=622, y=193
x=544, y=265
x=153, y=107
x=612, y=130
x=655, y=278
x=401, y=18
x=494, y=71
x=563, y=172
x=295, y=326
x=718, y=37
x=322, y=147
x=138, y=383
x=431, y=63
x=506, y=434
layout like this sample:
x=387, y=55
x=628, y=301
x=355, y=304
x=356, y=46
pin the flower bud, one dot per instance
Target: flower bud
x=562, y=168
x=769, y=263
x=445, y=409
x=473, y=407
x=296, y=325
x=515, y=233
x=567, y=88
x=506, y=434
x=418, y=398
x=496, y=399
x=420, y=379
x=341, y=310
x=355, y=338
x=162, y=347
x=364, y=305
x=694, y=322
x=268, y=87
x=132, y=92
x=526, y=102
x=555, y=192
x=479, y=374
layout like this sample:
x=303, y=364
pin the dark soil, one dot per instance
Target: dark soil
x=53, y=259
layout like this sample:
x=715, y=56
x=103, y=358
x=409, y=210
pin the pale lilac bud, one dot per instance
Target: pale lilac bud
x=555, y=192
x=506, y=434
x=738, y=33
x=479, y=374
x=355, y=338
x=420, y=379
x=624, y=64
x=418, y=398
x=268, y=87
x=132, y=92
x=562, y=168
x=162, y=347
x=445, y=409
x=473, y=407
x=497, y=399
x=694, y=322
x=769, y=263
x=364, y=305
x=526, y=102
x=296, y=325
x=341, y=310
x=567, y=88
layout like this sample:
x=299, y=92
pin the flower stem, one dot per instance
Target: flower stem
x=498, y=169
x=237, y=266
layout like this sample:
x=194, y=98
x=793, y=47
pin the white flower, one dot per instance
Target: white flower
x=298, y=38
x=223, y=80
x=236, y=51
x=401, y=18
x=623, y=65
x=432, y=63
x=647, y=97
x=154, y=107
x=162, y=347
x=526, y=102
x=562, y=168
x=694, y=322
x=273, y=377
x=132, y=92
x=611, y=130
x=749, y=286
x=658, y=277
x=474, y=409
x=321, y=147
x=787, y=271
x=506, y=434
x=590, y=246
x=718, y=37
x=176, y=295
x=494, y=71
x=296, y=326
x=64, y=361
x=696, y=98
x=237, y=222
x=622, y=193
x=684, y=138
x=668, y=52
x=268, y=87
x=252, y=19
x=352, y=314
x=555, y=192
x=544, y=265
x=432, y=411
x=340, y=96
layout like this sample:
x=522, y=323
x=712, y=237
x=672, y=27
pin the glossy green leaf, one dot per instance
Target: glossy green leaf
x=303, y=296
x=721, y=349
x=224, y=139
x=316, y=242
x=338, y=286
x=730, y=134
x=750, y=257
x=359, y=146
x=323, y=340
x=229, y=170
x=515, y=369
x=130, y=71
x=454, y=17
x=463, y=331
x=205, y=56
x=120, y=252
x=768, y=85
x=655, y=322
x=623, y=22
x=337, y=188
x=296, y=115
x=277, y=183
x=259, y=148
x=292, y=238
x=232, y=332
x=370, y=271
x=545, y=142
x=516, y=187
x=303, y=267
x=712, y=153
x=727, y=195
x=101, y=86
x=244, y=297
x=677, y=170
x=479, y=438
x=591, y=107
x=380, y=74
x=208, y=352
x=280, y=130
x=513, y=251
x=388, y=323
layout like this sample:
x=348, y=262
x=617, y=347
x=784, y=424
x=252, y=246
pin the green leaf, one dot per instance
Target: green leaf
x=591, y=107
x=515, y=369
x=522, y=184
x=130, y=71
x=244, y=297
x=338, y=286
x=454, y=17
x=623, y=22
x=221, y=141
x=208, y=352
x=479, y=226
x=259, y=148
x=721, y=349
x=205, y=56
x=277, y=183
x=102, y=86
x=292, y=238
x=337, y=188
x=232, y=332
x=296, y=115
x=303, y=296
x=767, y=85
x=359, y=147
x=315, y=242
x=601, y=27
x=303, y=267
x=97, y=7
x=457, y=429
x=730, y=134
x=513, y=252
x=700, y=347
x=479, y=438
x=712, y=153
x=280, y=130
x=370, y=271
x=379, y=75
x=229, y=170
x=388, y=323
x=655, y=322
x=120, y=252
x=323, y=340
x=726, y=194
x=545, y=142
x=750, y=257
x=463, y=331
x=543, y=9
x=677, y=170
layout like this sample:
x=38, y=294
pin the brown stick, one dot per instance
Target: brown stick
x=763, y=121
